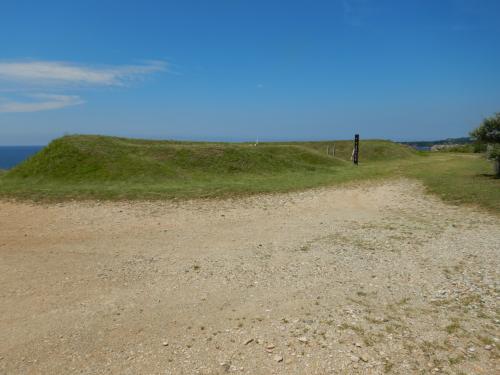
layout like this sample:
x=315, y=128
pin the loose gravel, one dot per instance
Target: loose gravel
x=367, y=279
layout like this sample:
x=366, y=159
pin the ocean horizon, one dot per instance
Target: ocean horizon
x=10, y=156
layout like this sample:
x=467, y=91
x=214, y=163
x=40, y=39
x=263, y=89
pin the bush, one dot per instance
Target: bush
x=489, y=130
x=493, y=152
x=489, y=133
x=479, y=147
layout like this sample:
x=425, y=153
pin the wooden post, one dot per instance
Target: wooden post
x=355, y=153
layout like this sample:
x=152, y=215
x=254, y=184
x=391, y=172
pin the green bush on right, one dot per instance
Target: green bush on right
x=489, y=133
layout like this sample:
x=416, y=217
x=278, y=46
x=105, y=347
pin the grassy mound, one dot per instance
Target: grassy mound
x=119, y=168
x=78, y=158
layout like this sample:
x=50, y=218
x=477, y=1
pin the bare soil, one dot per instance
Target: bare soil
x=369, y=279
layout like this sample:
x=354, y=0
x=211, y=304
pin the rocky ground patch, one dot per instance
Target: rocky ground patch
x=367, y=279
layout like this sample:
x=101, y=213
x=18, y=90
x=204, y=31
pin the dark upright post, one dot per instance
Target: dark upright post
x=355, y=156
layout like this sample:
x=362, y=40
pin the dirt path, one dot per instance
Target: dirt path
x=368, y=280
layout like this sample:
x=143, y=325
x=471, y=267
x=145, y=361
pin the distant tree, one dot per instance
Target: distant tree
x=489, y=133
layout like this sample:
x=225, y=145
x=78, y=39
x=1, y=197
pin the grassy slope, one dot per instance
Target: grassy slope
x=97, y=158
x=118, y=168
x=371, y=150
x=108, y=167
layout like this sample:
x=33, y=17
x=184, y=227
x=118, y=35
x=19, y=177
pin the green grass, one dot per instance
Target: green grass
x=459, y=178
x=371, y=150
x=105, y=159
x=96, y=167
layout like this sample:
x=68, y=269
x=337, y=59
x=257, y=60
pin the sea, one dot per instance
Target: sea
x=10, y=156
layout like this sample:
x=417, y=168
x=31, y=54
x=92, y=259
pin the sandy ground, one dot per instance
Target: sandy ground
x=369, y=280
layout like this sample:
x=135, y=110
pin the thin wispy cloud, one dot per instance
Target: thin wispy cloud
x=57, y=73
x=32, y=77
x=39, y=102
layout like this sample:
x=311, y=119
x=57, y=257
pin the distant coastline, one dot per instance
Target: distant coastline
x=427, y=145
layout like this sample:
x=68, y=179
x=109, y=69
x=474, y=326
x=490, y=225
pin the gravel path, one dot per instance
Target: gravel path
x=368, y=279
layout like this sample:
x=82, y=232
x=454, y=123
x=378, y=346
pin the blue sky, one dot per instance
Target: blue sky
x=238, y=70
